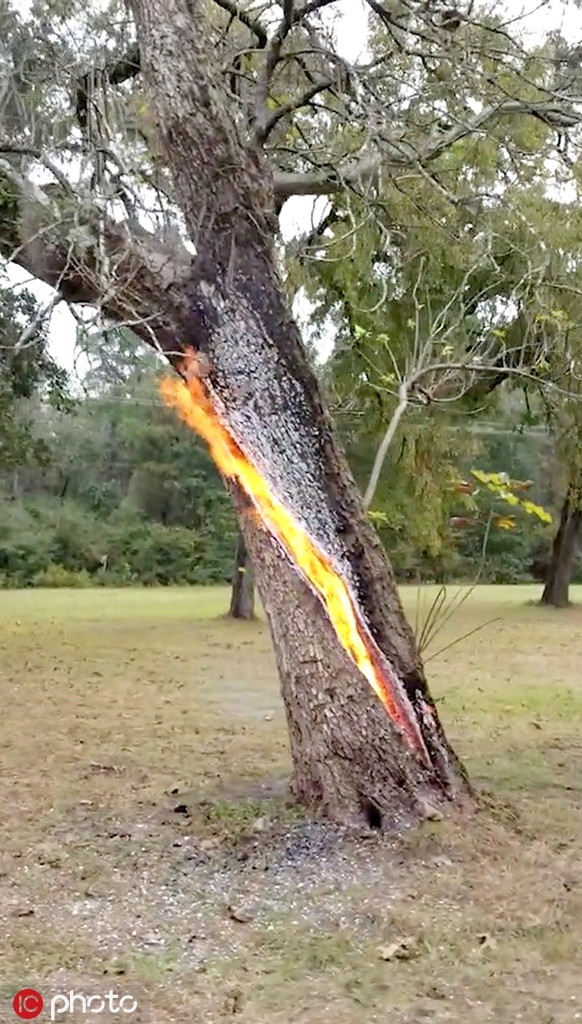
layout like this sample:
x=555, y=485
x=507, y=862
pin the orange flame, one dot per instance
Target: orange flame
x=193, y=403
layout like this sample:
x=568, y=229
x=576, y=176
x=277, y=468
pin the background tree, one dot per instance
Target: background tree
x=27, y=374
x=436, y=315
x=242, y=601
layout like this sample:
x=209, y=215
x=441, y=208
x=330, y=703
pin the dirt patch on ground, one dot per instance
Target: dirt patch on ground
x=149, y=840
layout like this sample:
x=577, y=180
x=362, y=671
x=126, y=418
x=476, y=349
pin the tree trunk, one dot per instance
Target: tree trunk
x=242, y=599
x=350, y=757
x=564, y=550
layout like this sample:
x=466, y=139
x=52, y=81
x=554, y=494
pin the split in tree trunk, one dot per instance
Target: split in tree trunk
x=564, y=551
x=242, y=601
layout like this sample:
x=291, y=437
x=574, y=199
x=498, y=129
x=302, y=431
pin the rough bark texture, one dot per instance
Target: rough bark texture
x=348, y=756
x=564, y=551
x=242, y=600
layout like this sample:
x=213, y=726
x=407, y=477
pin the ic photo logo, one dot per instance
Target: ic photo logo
x=28, y=1004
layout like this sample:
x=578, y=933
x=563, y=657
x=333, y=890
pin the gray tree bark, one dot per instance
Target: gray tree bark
x=349, y=756
x=242, y=598
x=556, y=591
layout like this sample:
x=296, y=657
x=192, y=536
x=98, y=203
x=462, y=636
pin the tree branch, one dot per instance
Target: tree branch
x=395, y=158
x=44, y=313
x=385, y=444
x=289, y=11
x=412, y=381
x=88, y=259
x=263, y=131
x=324, y=182
x=7, y=146
x=292, y=17
x=253, y=24
x=114, y=72
x=551, y=115
x=311, y=8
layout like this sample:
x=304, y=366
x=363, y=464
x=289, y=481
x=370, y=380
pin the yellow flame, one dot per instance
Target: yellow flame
x=194, y=405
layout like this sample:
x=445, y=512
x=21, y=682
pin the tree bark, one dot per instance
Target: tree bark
x=242, y=599
x=349, y=756
x=556, y=592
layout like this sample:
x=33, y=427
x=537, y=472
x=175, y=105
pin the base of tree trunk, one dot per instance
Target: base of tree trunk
x=242, y=601
x=556, y=595
x=564, y=550
x=350, y=763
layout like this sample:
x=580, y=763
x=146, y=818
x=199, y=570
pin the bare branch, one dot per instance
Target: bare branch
x=43, y=314
x=253, y=24
x=322, y=182
x=468, y=368
x=382, y=13
x=311, y=8
x=263, y=131
x=291, y=18
x=385, y=444
x=272, y=57
x=7, y=146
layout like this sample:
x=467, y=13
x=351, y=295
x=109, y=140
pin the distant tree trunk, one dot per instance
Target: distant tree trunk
x=351, y=758
x=564, y=550
x=242, y=600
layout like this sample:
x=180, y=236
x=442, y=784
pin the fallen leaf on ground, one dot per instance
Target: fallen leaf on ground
x=241, y=914
x=401, y=949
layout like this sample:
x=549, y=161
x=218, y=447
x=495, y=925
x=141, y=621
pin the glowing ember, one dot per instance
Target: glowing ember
x=194, y=405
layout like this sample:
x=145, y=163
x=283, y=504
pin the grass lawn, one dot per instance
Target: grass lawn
x=147, y=837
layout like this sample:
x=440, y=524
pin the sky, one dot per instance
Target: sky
x=351, y=27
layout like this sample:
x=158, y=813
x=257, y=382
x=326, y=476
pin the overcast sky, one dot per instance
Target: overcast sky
x=351, y=24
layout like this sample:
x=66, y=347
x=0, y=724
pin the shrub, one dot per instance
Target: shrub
x=49, y=543
x=57, y=576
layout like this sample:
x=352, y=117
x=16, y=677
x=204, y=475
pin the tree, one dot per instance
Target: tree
x=557, y=319
x=242, y=601
x=110, y=489
x=27, y=372
x=453, y=312
x=565, y=423
x=564, y=551
x=250, y=385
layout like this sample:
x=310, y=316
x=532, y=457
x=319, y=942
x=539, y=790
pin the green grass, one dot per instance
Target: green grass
x=120, y=705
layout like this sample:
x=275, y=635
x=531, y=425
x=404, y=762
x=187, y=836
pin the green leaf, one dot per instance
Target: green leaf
x=376, y=516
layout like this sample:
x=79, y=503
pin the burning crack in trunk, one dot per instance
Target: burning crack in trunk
x=192, y=399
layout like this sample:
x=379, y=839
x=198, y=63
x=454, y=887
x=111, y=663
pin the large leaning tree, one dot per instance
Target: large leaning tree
x=153, y=197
